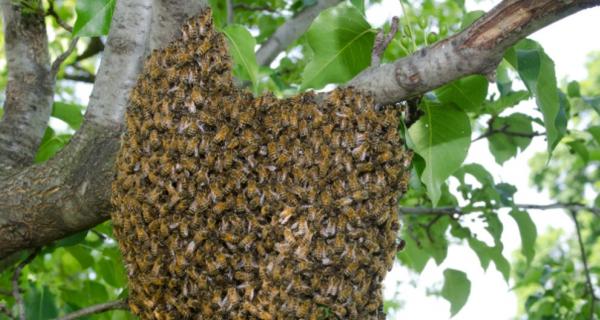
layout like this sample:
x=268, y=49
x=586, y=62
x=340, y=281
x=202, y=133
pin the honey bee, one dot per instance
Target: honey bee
x=221, y=134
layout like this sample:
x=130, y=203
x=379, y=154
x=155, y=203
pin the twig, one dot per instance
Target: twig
x=230, y=8
x=4, y=310
x=586, y=268
x=88, y=78
x=5, y=292
x=16, y=290
x=504, y=130
x=382, y=42
x=463, y=211
x=51, y=12
x=60, y=59
x=248, y=7
x=99, y=308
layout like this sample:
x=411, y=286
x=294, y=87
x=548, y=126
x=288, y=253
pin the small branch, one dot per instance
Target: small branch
x=51, y=12
x=382, y=42
x=99, y=308
x=505, y=130
x=16, y=290
x=230, y=8
x=454, y=211
x=586, y=268
x=87, y=78
x=4, y=310
x=290, y=31
x=60, y=59
x=5, y=292
x=248, y=7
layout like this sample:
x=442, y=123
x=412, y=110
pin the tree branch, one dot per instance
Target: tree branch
x=476, y=50
x=99, y=308
x=60, y=59
x=290, y=31
x=453, y=211
x=248, y=7
x=586, y=268
x=382, y=42
x=29, y=92
x=87, y=78
x=15, y=283
x=51, y=12
x=71, y=192
x=167, y=18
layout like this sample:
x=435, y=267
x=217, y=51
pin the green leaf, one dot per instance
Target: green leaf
x=595, y=132
x=442, y=137
x=483, y=251
x=241, y=45
x=82, y=255
x=39, y=304
x=72, y=239
x=506, y=145
x=508, y=100
x=342, y=41
x=573, y=89
x=477, y=171
x=467, y=93
x=413, y=257
x=219, y=12
x=528, y=232
x=93, y=17
x=470, y=17
x=578, y=147
x=359, y=4
x=456, y=290
x=537, y=72
x=69, y=113
x=51, y=147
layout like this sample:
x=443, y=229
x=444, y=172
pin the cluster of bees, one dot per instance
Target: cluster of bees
x=235, y=207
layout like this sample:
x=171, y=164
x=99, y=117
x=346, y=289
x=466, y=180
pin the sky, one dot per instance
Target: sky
x=567, y=43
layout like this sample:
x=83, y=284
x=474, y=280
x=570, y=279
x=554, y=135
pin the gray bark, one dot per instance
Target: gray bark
x=71, y=192
x=290, y=31
x=167, y=17
x=29, y=90
x=476, y=50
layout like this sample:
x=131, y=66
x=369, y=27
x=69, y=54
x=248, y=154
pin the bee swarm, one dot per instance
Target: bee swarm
x=235, y=207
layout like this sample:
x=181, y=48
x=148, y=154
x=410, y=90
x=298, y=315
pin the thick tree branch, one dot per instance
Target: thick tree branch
x=29, y=91
x=167, y=18
x=290, y=31
x=99, y=308
x=476, y=50
x=71, y=192
x=461, y=211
